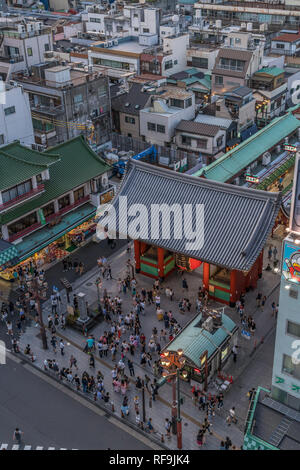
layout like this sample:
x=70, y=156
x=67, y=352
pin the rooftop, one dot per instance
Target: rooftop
x=216, y=121
x=194, y=340
x=227, y=244
x=241, y=156
x=131, y=102
x=288, y=37
x=192, y=127
x=274, y=71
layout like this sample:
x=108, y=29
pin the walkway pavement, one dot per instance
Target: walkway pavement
x=192, y=417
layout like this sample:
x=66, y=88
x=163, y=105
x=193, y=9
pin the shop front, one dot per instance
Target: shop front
x=53, y=241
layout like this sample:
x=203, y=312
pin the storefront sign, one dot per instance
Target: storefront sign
x=290, y=148
x=291, y=262
x=252, y=179
x=224, y=354
x=106, y=197
x=42, y=217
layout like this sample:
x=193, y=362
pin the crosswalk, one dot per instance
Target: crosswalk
x=28, y=447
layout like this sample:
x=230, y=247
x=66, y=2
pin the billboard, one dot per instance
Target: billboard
x=295, y=206
x=291, y=262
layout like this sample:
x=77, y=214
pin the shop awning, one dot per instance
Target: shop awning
x=277, y=173
x=46, y=235
x=8, y=254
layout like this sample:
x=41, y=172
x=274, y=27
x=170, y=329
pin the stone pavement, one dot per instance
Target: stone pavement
x=192, y=417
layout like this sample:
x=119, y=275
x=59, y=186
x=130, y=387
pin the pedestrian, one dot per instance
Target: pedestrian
x=92, y=361
x=200, y=437
x=184, y=285
x=275, y=251
x=227, y=443
x=270, y=252
x=17, y=436
x=168, y=428
x=231, y=418
x=263, y=302
x=234, y=352
x=131, y=368
x=273, y=309
x=258, y=300
x=62, y=347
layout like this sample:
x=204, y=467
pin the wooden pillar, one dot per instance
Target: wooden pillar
x=206, y=276
x=233, y=287
x=260, y=264
x=160, y=262
x=137, y=255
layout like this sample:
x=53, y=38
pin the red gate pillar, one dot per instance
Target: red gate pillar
x=160, y=262
x=137, y=255
x=260, y=264
x=233, y=287
x=206, y=276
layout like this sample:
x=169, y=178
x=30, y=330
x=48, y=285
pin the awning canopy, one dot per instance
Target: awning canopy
x=8, y=254
x=237, y=220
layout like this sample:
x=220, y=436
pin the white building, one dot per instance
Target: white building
x=158, y=121
x=15, y=116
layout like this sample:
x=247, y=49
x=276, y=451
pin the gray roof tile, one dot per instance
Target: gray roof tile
x=237, y=220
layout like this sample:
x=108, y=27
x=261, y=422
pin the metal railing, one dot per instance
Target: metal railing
x=22, y=197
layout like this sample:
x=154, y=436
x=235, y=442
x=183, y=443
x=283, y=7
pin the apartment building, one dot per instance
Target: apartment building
x=66, y=101
x=15, y=116
x=270, y=91
x=167, y=108
x=23, y=45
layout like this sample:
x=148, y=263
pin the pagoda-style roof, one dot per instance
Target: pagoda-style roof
x=19, y=163
x=76, y=163
x=237, y=220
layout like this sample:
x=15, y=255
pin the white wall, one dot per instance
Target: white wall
x=36, y=43
x=16, y=126
x=178, y=47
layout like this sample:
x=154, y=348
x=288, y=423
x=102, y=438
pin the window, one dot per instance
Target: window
x=64, y=202
x=47, y=47
x=151, y=126
x=95, y=20
x=177, y=103
x=168, y=64
x=77, y=99
x=279, y=46
x=129, y=120
x=29, y=51
x=188, y=102
x=39, y=178
x=16, y=191
x=288, y=367
x=79, y=194
x=293, y=329
x=161, y=129
x=10, y=110
x=237, y=40
x=202, y=143
x=49, y=209
x=22, y=224
x=175, y=62
x=186, y=140
x=219, y=80
x=200, y=62
x=136, y=29
x=146, y=30
x=220, y=141
x=1, y=139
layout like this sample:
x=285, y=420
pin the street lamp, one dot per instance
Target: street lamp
x=38, y=287
x=174, y=362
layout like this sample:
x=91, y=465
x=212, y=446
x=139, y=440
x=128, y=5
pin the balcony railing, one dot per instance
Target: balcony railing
x=68, y=208
x=51, y=217
x=12, y=60
x=23, y=197
x=232, y=68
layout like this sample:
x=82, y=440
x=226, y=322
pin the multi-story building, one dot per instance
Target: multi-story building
x=270, y=91
x=66, y=101
x=15, y=116
x=48, y=200
x=234, y=67
x=238, y=105
x=23, y=45
x=167, y=59
x=287, y=43
x=273, y=13
x=126, y=110
x=167, y=108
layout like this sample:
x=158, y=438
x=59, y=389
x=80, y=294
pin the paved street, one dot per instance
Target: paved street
x=243, y=372
x=50, y=417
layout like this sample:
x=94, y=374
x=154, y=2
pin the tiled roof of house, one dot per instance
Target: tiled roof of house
x=76, y=164
x=209, y=130
x=131, y=102
x=287, y=37
x=19, y=163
